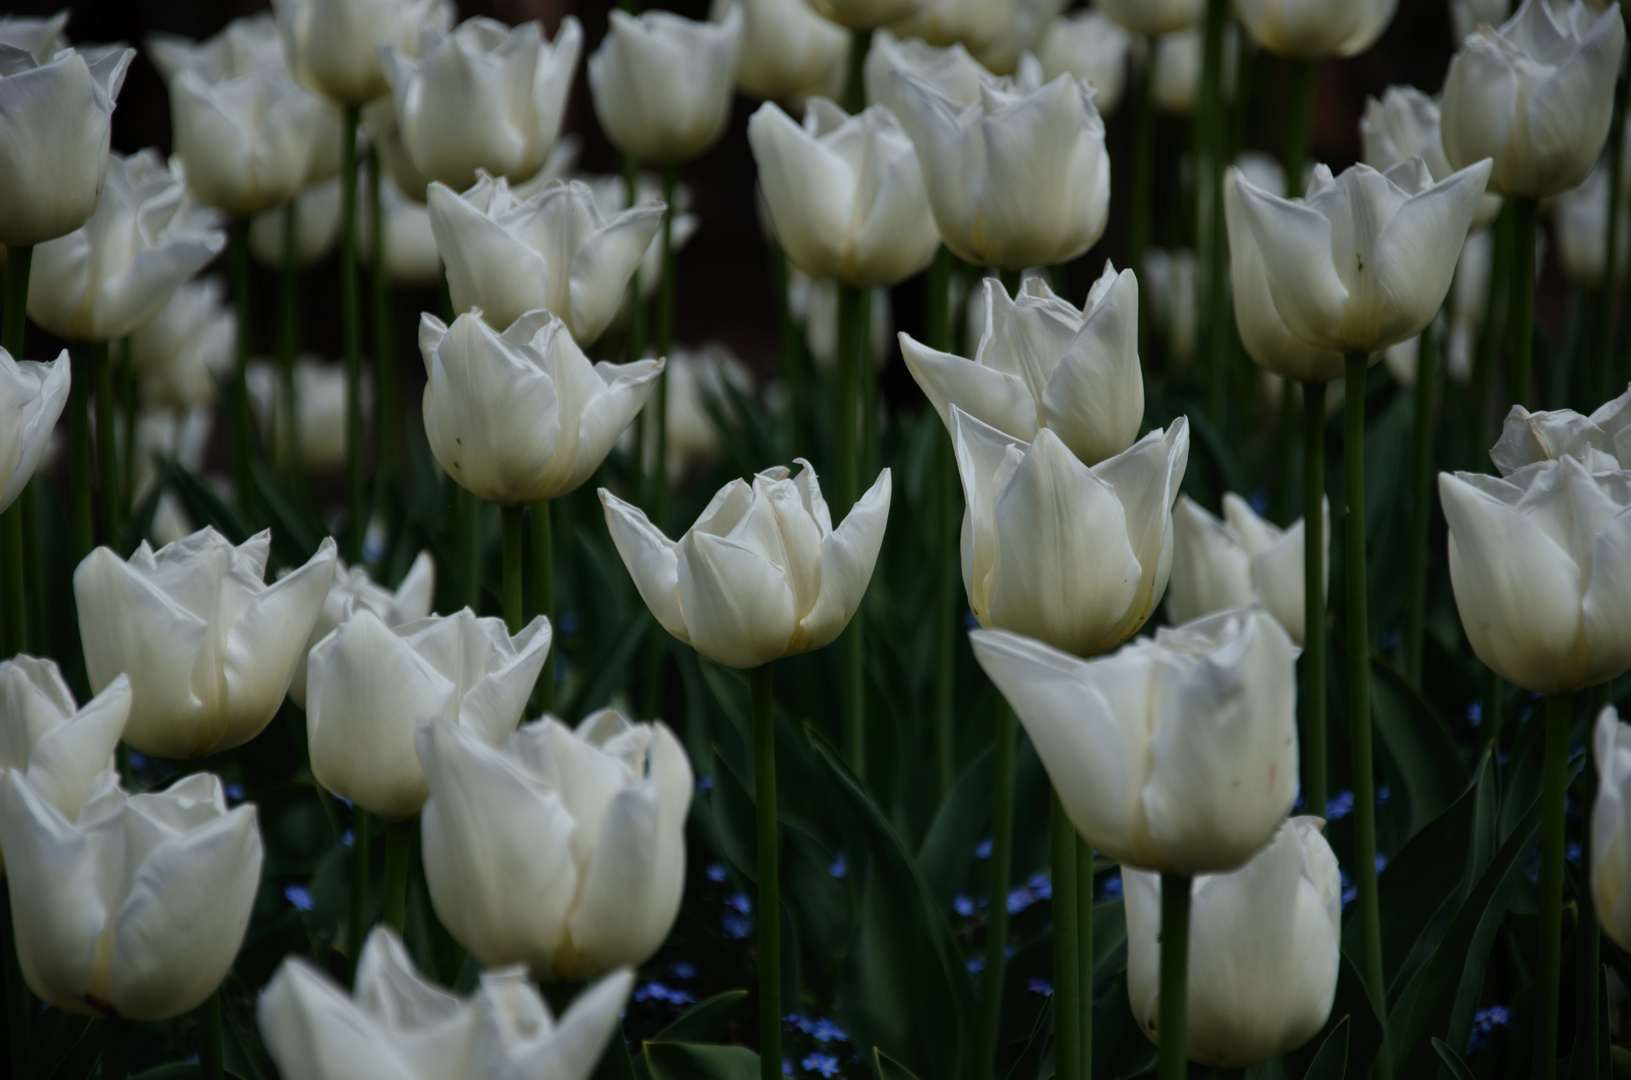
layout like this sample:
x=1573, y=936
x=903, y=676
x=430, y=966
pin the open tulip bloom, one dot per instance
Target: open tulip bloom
x=951, y=71
x=788, y=50
x=353, y=590
x=336, y=47
x=32, y=395
x=1313, y=29
x=1405, y=124
x=1602, y=441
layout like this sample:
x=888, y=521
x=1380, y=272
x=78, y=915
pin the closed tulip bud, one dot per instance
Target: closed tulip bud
x=1153, y=16
x=1175, y=79
x=32, y=395
x=1042, y=363
x=1264, y=950
x=972, y=23
x=1175, y=754
x=1602, y=441
x=662, y=83
x=845, y=193
x=561, y=849
x=317, y=228
x=867, y=14
x=115, y=272
x=1089, y=46
x=1022, y=35
x=181, y=351
x=1535, y=95
x=370, y=685
x=1579, y=224
x=762, y=574
x=993, y=205
x=787, y=49
x=522, y=416
x=951, y=71
x=56, y=122
x=1364, y=262
x=320, y=408
x=134, y=907
x=58, y=747
x=209, y=648
x=1540, y=562
x=354, y=590
x=334, y=46
x=1405, y=124
x=1611, y=826
x=1077, y=556
x=1315, y=29
x=1237, y=561
x=554, y=251
x=399, y=1023
x=42, y=38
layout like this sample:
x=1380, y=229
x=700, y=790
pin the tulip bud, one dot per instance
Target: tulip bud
x=1316, y=29
x=190, y=343
x=1041, y=363
x=563, y=850
x=867, y=14
x=32, y=395
x=208, y=647
x=762, y=574
x=952, y=72
x=133, y=908
x=1406, y=124
x=1264, y=950
x=1237, y=561
x=845, y=193
x=1602, y=440
x=321, y=390
x=1077, y=556
x=1089, y=46
x=662, y=84
x=1175, y=78
x=1175, y=754
x=1611, y=826
x=354, y=590
x=788, y=50
x=1579, y=224
x=316, y=224
x=399, y=1023
x=520, y=417
x=334, y=47
x=1153, y=16
x=972, y=23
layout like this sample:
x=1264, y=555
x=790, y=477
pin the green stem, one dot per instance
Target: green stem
x=385, y=404
x=1588, y=938
x=19, y=1003
x=1067, y=984
x=850, y=347
x=241, y=438
x=351, y=312
x=286, y=438
x=1084, y=954
x=1312, y=735
x=791, y=352
x=469, y=510
x=127, y=447
x=949, y=580
x=1143, y=184
x=115, y=1049
x=1421, y=503
x=665, y=347
x=14, y=617
x=1521, y=297
x=1490, y=340
x=770, y=949
x=107, y=446
x=1359, y=718
x=512, y=518
x=14, y=317
x=855, y=76
x=1299, y=108
x=1554, y=793
x=359, y=884
x=1000, y=870
x=210, y=1056
x=82, y=356
x=543, y=584
x=1173, y=1031
x=636, y=304
x=1611, y=238
x=398, y=852
x=1208, y=174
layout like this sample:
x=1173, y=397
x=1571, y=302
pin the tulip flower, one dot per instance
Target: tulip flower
x=553, y=251
x=611, y=194
x=1022, y=35
x=378, y=119
x=788, y=50
x=521, y=417
x=867, y=14
x=696, y=380
x=1535, y=95
x=1169, y=288
x=1153, y=16
x=208, y=647
x=1534, y=562
x=502, y=1031
x=58, y=747
x=484, y=97
x=1579, y=223
x=1041, y=363
x=952, y=72
x=354, y=590
x=370, y=685
x=1611, y=826
x=182, y=350
x=56, y=123
x=1175, y=80
x=1077, y=556
x=1466, y=16
x=334, y=47
x=662, y=83
x=972, y=23
x=1315, y=29
x=133, y=908
x=1601, y=441
x=247, y=44
x=317, y=228
x=1365, y=261
x=32, y=395
x=1239, y=560
x=1264, y=950
x=113, y=274
x=845, y=194
x=42, y=38
x=164, y=436
x=1405, y=124
x=993, y=205
x=320, y=408
x=561, y=849
x=1089, y=46
x=1175, y=754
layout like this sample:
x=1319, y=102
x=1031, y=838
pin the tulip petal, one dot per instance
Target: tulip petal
x=69, y=756
x=494, y=706
x=417, y=592
x=1480, y=102
x=1095, y=399
x=1570, y=113
x=651, y=560
x=809, y=190
x=1146, y=479
x=1211, y=569
x=985, y=458
x=848, y=556
x=602, y=266
x=1416, y=254
x=569, y=1049
x=738, y=606
x=312, y=1028
x=1296, y=244
x=1608, y=597
x=610, y=924
x=990, y=396
x=626, y=389
x=50, y=384
x=487, y=266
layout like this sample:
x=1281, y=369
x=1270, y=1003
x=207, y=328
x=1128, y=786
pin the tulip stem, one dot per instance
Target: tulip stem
x=1313, y=734
x=855, y=75
x=1359, y=718
x=1611, y=238
x=1421, y=503
x=14, y=317
x=210, y=1057
x=512, y=517
x=350, y=305
x=127, y=446
x=1173, y=1030
x=398, y=850
x=1002, y=854
x=286, y=438
x=1084, y=955
x=115, y=1049
x=385, y=407
x=1554, y=793
x=19, y=1007
x=241, y=438
x=947, y=488
x=770, y=954
x=636, y=305
x=665, y=345
x=790, y=347
x=107, y=445
x=468, y=534
x=1143, y=184
x=1588, y=943
x=1299, y=107
x=1521, y=296
x=1067, y=1013
x=13, y=636
x=1210, y=139
x=543, y=584
x=359, y=884
x=851, y=332
x=82, y=357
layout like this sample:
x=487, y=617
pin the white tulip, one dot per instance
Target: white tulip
x=662, y=83
x=994, y=206
x=209, y=648
x=1315, y=29
x=787, y=49
x=522, y=416
x=135, y=906
x=56, y=745
x=972, y=23
x=1088, y=45
x=379, y=121
x=371, y=685
x=1466, y=16
x=164, y=436
x=1075, y=556
x=562, y=850
x=320, y=407
x=1365, y=261
x=867, y=14
x=316, y=228
x=1611, y=826
x=1602, y=441
x=399, y=1024
x=1176, y=76
x=1536, y=95
x=1406, y=124
x=42, y=38
x=696, y=378
x=845, y=193
x=554, y=251
x=1579, y=225
x=1176, y=753
x=1023, y=35
x=1153, y=16
x=762, y=574
x=244, y=45
x=611, y=194
x=335, y=47
x=1169, y=287
x=1540, y=562
x=57, y=125
x=1041, y=363
x=115, y=272
x=952, y=72
x=180, y=353
x=1238, y=560
x=1264, y=950
x=32, y=395
x=354, y=590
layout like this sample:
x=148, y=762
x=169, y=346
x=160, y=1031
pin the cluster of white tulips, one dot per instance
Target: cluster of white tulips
x=1149, y=580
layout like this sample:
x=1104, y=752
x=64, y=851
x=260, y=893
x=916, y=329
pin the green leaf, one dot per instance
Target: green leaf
x=205, y=507
x=693, y=1061
x=294, y=535
x=704, y=1021
x=1459, y=1069
x=948, y=849
x=1420, y=743
x=1331, y=1063
x=887, y=1068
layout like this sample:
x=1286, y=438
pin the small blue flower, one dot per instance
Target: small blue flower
x=567, y=622
x=299, y=897
x=1484, y=1023
x=1260, y=501
x=705, y=784
x=656, y=991
x=235, y=792
x=1039, y=986
x=348, y=838
x=975, y=964
x=787, y=1067
x=1571, y=851
x=1339, y=806
x=825, y=1064
x=963, y=906
x=1042, y=885
x=1381, y=862
x=717, y=872
x=739, y=903
x=982, y=850
x=819, y=1028
x=682, y=969
x=1475, y=712
x=138, y=760
x=1112, y=885
x=839, y=867
x=969, y=621
x=1383, y=794
x=736, y=927
x=1020, y=899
